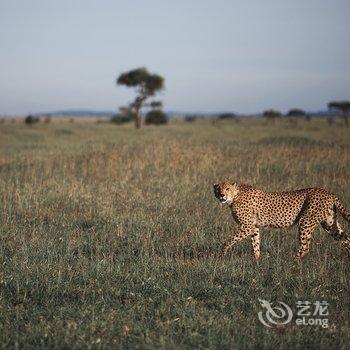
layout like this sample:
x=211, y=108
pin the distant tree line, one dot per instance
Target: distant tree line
x=342, y=107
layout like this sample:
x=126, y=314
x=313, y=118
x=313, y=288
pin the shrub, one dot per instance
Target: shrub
x=190, y=118
x=121, y=118
x=156, y=117
x=30, y=119
x=298, y=113
x=271, y=114
x=225, y=116
x=295, y=112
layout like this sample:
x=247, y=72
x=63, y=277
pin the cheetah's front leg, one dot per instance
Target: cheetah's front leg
x=243, y=232
x=306, y=228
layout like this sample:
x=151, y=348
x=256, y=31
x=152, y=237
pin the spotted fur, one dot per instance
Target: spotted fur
x=253, y=209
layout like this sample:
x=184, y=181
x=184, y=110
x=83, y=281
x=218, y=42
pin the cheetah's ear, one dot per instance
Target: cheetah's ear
x=216, y=186
x=234, y=184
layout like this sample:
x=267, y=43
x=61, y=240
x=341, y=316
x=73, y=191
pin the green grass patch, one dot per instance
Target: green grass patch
x=110, y=237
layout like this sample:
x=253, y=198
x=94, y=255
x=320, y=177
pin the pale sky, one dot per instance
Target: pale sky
x=222, y=55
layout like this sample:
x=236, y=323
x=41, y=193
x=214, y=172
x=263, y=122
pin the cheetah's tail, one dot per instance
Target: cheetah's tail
x=342, y=210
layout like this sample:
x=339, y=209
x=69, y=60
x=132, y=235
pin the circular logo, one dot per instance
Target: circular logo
x=274, y=315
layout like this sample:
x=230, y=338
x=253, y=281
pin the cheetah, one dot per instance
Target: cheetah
x=253, y=209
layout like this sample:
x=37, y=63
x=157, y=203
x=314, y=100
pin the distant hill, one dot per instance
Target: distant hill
x=323, y=113
x=107, y=114
x=77, y=113
x=93, y=113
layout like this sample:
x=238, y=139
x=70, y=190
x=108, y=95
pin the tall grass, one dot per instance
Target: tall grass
x=111, y=237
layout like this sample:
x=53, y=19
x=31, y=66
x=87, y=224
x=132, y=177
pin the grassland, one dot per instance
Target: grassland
x=110, y=237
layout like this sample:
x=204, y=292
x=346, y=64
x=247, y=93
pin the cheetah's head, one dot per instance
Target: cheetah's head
x=225, y=192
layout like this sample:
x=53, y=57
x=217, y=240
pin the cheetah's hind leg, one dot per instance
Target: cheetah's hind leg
x=334, y=229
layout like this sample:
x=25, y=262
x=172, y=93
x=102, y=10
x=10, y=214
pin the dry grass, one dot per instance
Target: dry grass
x=110, y=237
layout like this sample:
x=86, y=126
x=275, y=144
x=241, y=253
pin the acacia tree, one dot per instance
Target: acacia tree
x=343, y=107
x=146, y=85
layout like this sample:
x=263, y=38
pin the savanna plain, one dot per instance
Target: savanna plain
x=111, y=237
